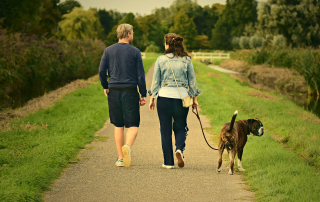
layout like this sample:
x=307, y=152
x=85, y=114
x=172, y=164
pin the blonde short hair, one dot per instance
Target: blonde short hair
x=123, y=30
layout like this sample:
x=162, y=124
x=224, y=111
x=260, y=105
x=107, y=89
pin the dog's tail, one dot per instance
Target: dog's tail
x=233, y=120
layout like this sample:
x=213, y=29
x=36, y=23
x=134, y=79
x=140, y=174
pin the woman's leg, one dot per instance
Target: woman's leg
x=180, y=128
x=164, y=108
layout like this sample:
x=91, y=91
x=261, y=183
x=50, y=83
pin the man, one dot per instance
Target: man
x=125, y=69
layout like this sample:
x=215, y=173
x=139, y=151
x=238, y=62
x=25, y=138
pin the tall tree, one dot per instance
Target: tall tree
x=185, y=27
x=138, y=37
x=68, y=5
x=18, y=13
x=232, y=22
x=46, y=22
x=297, y=20
x=81, y=24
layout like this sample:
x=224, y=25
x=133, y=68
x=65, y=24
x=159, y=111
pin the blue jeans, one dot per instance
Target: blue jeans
x=168, y=109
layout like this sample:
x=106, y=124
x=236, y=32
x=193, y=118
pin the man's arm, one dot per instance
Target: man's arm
x=141, y=76
x=103, y=73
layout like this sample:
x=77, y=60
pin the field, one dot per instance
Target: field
x=282, y=165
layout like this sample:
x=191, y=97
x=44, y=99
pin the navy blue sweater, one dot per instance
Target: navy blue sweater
x=125, y=68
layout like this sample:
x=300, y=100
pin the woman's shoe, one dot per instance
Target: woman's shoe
x=126, y=155
x=180, y=157
x=168, y=167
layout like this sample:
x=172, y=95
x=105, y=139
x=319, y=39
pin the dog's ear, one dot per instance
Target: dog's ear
x=250, y=122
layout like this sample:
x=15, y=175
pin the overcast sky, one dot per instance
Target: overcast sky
x=144, y=7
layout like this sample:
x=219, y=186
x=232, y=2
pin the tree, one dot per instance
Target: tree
x=68, y=5
x=46, y=22
x=297, y=20
x=80, y=24
x=138, y=37
x=18, y=13
x=185, y=27
x=232, y=22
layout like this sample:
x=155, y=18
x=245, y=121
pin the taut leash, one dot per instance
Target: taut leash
x=197, y=114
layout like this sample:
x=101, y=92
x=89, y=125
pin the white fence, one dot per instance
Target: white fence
x=209, y=56
x=143, y=55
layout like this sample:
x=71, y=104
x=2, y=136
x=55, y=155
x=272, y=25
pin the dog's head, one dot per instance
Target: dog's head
x=256, y=127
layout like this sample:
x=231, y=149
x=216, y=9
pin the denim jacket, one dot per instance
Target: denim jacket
x=183, y=71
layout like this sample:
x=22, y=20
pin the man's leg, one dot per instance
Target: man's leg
x=131, y=135
x=119, y=138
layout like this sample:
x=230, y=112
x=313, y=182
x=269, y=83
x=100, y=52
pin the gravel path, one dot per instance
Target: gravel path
x=96, y=178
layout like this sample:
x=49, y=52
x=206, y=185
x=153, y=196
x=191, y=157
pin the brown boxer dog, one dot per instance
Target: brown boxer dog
x=233, y=137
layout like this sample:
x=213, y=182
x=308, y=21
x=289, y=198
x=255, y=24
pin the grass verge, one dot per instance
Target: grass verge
x=35, y=148
x=283, y=164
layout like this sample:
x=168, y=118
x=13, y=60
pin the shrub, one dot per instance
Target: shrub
x=29, y=66
x=244, y=42
x=279, y=41
x=256, y=42
x=152, y=48
x=235, y=42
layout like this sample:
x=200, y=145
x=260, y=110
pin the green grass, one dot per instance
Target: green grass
x=286, y=169
x=149, y=60
x=37, y=147
x=31, y=159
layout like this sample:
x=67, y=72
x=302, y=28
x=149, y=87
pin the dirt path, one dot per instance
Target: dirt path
x=96, y=178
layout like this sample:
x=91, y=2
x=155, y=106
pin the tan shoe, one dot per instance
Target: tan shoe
x=126, y=155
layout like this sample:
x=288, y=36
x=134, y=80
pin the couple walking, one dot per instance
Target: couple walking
x=173, y=79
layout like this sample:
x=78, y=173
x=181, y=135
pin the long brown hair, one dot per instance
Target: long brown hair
x=176, y=46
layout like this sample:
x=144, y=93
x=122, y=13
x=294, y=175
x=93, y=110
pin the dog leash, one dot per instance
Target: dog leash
x=197, y=114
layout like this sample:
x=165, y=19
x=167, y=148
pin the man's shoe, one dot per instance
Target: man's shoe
x=168, y=167
x=119, y=163
x=126, y=155
x=180, y=157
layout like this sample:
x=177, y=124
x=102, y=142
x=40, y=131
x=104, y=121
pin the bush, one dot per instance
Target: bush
x=256, y=42
x=305, y=61
x=235, y=42
x=244, y=42
x=152, y=48
x=29, y=66
x=279, y=41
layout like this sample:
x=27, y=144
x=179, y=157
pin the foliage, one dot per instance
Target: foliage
x=232, y=21
x=67, y=6
x=30, y=66
x=244, y=42
x=80, y=24
x=185, y=27
x=279, y=41
x=291, y=137
x=37, y=17
x=305, y=61
x=298, y=21
x=152, y=48
x=235, y=42
x=256, y=42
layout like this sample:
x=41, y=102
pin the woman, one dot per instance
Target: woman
x=169, y=103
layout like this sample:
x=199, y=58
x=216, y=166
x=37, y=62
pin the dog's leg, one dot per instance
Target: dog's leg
x=240, y=152
x=221, y=148
x=232, y=155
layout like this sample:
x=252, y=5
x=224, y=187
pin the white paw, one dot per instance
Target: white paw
x=218, y=170
x=230, y=172
x=241, y=169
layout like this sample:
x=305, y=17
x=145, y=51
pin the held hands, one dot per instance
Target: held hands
x=151, y=105
x=143, y=101
x=106, y=92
